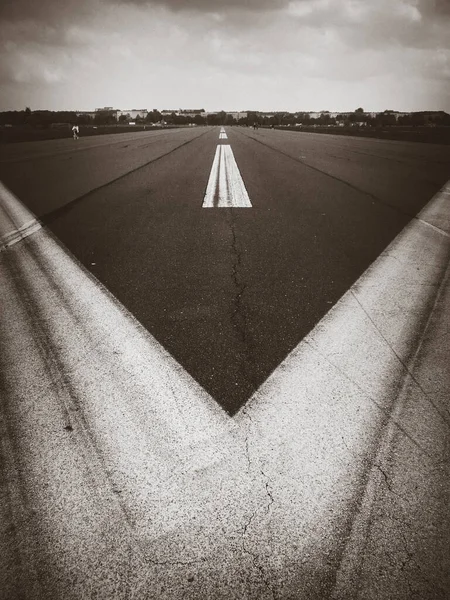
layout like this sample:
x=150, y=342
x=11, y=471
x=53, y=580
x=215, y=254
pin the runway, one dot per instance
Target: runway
x=219, y=361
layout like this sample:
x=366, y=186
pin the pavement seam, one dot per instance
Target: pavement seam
x=9, y=160
x=343, y=181
x=51, y=216
x=408, y=364
x=362, y=515
x=269, y=494
x=16, y=236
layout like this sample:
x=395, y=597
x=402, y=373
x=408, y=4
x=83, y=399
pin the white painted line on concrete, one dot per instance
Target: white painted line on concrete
x=223, y=136
x=225, y=185
x=224, y=197
x=16, y=222
x=134, y=479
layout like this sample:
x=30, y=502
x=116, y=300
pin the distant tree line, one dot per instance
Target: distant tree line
x=46, y=118
x=357, y=117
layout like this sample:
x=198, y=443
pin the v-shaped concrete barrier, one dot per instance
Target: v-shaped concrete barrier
x=124, y=479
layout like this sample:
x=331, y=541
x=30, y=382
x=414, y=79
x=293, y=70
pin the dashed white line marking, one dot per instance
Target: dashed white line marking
x=225, y=186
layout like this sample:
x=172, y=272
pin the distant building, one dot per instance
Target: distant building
x=85, y=113
x=109, y=110
x=430, y=117
x=238, y=115
x=133, y=113
x=191, y=112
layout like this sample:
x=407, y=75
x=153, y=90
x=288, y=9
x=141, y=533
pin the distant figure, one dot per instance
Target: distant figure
x=75, y=132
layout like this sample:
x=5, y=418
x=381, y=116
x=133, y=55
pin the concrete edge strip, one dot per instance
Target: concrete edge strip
x=349, y=575
x=438, y=229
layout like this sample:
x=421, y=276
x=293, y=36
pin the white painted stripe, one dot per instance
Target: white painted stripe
x=239, y=195
x=211, y=188
x=231, y=191
x=223, y=194
x=223, y=136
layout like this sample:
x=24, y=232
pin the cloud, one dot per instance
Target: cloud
x=376, y=24
x=214, y=6
x=47, y=10
x=281, y=53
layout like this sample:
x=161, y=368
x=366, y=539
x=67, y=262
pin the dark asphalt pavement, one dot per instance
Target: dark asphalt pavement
x=228, y=292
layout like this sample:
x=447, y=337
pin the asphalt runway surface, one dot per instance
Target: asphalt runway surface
x=229, y=292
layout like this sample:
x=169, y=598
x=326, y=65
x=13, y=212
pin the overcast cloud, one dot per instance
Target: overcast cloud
x=233, y=55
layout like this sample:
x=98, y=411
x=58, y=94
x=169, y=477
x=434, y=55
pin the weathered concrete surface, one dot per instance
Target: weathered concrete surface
x=400, y=542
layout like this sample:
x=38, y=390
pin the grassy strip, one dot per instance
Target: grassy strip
x=430, y=135
x=10, y=135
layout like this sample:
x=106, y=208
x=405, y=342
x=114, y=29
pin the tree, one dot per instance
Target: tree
x=28, y=115
x=359, y=111
x=199, y=120
x=154, y=116
x=222, y=117
x=104, y=117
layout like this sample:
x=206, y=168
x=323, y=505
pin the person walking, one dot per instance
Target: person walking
x=75, y=132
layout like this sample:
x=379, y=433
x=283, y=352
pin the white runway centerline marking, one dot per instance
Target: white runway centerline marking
x=225, y=186
x=222, y=134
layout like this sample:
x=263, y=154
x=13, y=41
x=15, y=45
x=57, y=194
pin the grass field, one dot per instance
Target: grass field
x=31, y=134
x=431, y=135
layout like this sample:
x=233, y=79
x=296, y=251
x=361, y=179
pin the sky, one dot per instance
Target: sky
x=235, y=55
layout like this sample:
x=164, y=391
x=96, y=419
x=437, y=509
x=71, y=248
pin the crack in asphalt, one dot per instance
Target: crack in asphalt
x=385, y=411
x=389, y=484
x=238, y=317
x=414, y=353
x=269, y=493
